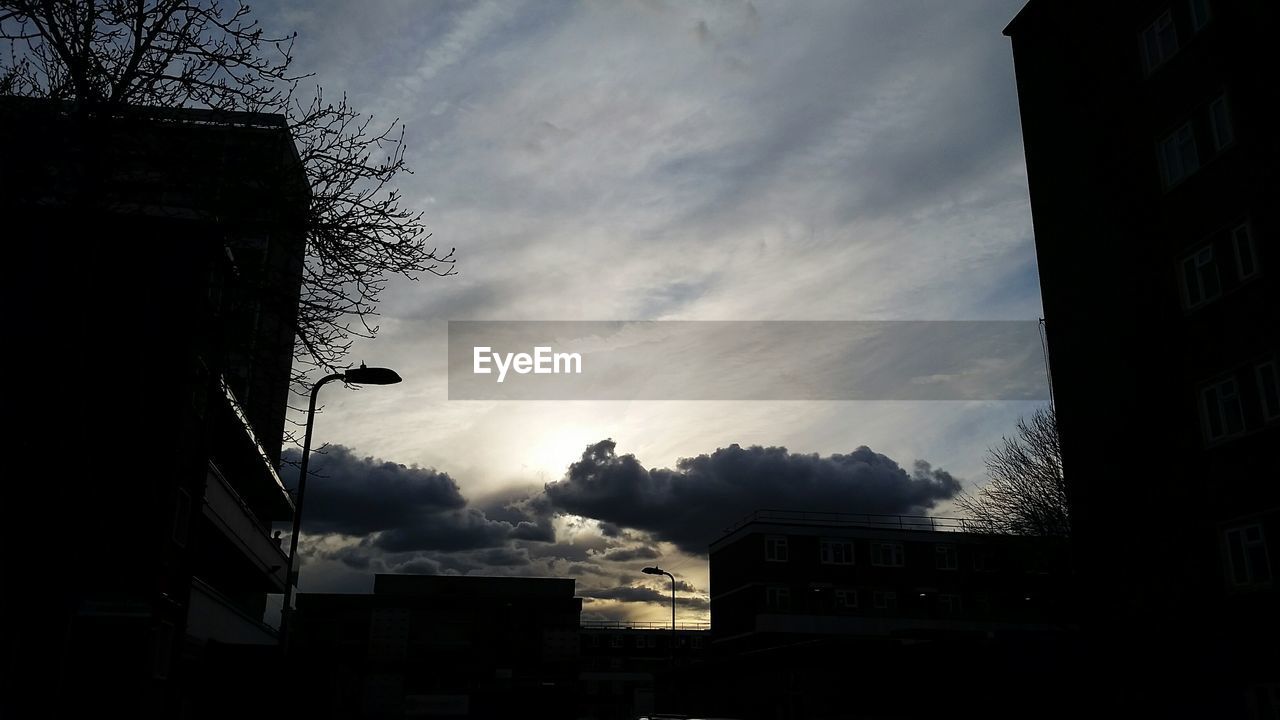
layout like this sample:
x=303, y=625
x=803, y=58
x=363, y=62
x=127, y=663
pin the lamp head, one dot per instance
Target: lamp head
x=652, y=571
x=371, y=376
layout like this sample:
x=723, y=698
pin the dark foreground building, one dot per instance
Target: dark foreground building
x=830, y=615
x=158, y=257
x=444, y=646
x=623, y=665
x=1152, y=156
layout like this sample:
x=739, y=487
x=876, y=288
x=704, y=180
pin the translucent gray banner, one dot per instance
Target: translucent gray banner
x=746, y=360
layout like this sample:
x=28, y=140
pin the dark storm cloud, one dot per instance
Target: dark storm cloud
x=685, y=586
x=693, y=504
x=455, y=530
x=406, y=509
x=351, y=495
x=639, y=593
x=643, y=552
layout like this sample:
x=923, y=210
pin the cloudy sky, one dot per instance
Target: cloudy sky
x=658, y=160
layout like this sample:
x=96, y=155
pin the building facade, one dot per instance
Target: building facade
x=623, y=663
x=163, y=250
x=1152, y=161
x=453, y=646
x=819, y=614
x=780, y=576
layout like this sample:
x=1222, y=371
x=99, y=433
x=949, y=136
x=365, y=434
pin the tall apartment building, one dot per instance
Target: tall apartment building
x=158, y=264
x=1152, y=154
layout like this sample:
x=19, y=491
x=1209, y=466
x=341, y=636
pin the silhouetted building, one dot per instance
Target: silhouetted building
x=160, y=257
x=454, y=646
x=781, y=577
x=1152, y=159
x=621, y=664
x=819, y=614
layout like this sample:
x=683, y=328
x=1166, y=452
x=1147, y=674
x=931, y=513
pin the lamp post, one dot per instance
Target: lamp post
x=659, y=571
x=355, y=376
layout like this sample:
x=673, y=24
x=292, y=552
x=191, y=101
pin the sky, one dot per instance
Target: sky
x=657, y=160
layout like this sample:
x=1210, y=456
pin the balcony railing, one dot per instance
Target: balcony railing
x=232, y=515
x=266, y=492
x=897, y=522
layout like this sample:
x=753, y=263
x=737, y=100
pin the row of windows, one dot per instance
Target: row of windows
x=1222, y=407
x=836, y=551
x=1159, y=40
x=779, y=598
x=1233, y=257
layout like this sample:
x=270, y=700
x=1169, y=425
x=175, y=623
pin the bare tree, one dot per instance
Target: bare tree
x=1026, y=493
x=101, y=54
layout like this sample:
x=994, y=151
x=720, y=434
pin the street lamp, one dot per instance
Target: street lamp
x=355, y=376
x=659, y=571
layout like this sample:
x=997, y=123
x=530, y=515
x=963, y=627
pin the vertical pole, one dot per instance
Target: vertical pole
x=286, y=611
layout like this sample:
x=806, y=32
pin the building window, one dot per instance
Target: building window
x=836, y=552
x=616, y=641
x=1223, y=414
x=777, y=598
x=1178, y=155
x=1220, y=123
x=653, y=641
x=1200, y=282
x=697, y=643
x=886, y=554
x=1159, y=41
x=846, y=599
x=1246, y=257
x=945, y=556
x=1247, y=556
x=884, y=599
x=1199, y=14
x=984, y=561
x=775, y=548
x=1269, y=389
x=948, y=604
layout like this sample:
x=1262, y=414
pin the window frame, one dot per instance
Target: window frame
x=772, y=545
x=880, y=599
x=898, y=552
x=1251, y=574
x=1152, y=33
x=1175, y=142
x=952, y=601
x=1219, y=126
x=949, y=550
x=1207, y=408
x=826, y=558
x=1197, y=261
x=1261, y=372
x=777, y=597
x=1240, y=248
x=1200, y=13
x=846, y=598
